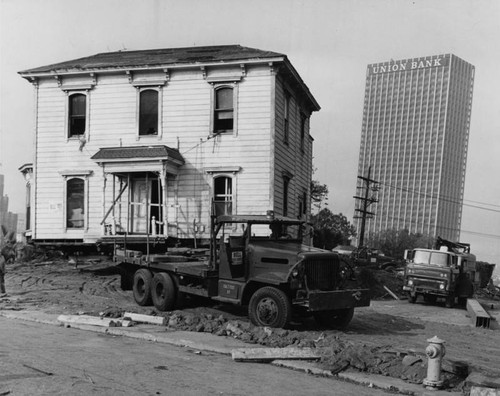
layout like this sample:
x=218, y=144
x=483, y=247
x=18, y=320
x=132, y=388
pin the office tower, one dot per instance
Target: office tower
x=414, y=140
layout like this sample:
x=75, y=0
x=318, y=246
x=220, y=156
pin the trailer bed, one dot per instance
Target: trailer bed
x=178, y=264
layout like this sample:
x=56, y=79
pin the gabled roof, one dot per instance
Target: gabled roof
x=158, y=57
x=111, y=154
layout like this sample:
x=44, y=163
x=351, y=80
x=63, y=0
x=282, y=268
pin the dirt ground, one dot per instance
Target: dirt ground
x=387, y=338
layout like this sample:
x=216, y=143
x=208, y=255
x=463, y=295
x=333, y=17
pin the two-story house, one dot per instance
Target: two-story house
x=150, y=142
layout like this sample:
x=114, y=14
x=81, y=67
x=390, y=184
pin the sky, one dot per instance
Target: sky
x=329, y=42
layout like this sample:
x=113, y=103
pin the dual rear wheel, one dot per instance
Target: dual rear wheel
x=158, y=289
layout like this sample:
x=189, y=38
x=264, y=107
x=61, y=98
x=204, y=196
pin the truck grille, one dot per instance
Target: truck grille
x=322, y=274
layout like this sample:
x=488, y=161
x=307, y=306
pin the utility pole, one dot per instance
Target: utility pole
x=366, y=202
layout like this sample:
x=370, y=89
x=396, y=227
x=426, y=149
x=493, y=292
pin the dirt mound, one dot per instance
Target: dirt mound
x=337, y=354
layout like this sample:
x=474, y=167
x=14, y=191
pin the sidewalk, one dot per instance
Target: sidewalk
x=224, y=345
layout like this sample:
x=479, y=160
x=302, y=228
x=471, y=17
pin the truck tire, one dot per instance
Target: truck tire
x=269, y=307
x=143, y=280
x=430, y=298
x=334, y=319
x=163, y=292
x=412, y=298
x=450, y=301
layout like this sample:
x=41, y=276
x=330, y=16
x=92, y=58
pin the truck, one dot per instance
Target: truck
x=374, y=258
x=448, y=271
x=256, y=261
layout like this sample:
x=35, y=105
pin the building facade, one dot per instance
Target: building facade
x=8, y=220
x=414, y=141
x=151, y=142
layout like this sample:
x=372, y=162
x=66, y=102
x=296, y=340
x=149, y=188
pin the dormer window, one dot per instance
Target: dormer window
x=224, y=110
x=77, y=114
x=148, y=112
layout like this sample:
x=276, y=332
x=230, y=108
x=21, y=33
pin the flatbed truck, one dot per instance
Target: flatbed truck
x=257, y=261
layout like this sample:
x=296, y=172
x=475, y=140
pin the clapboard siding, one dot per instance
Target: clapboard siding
x=289, y=158
x=186, y=108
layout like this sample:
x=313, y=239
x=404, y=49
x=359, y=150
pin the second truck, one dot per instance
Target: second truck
x=258, y=261
x=448, y=271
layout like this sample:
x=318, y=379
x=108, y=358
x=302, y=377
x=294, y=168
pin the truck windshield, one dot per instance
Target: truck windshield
x=431, y=258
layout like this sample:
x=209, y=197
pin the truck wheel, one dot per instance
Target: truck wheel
x=163, y=292
x=462, y=301
x=269, y=307
x=142, y=286
x=412, y=298
x=450, y=301
x=335, y=319
x=430, y=298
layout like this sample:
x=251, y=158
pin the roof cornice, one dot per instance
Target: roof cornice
x=168, y=66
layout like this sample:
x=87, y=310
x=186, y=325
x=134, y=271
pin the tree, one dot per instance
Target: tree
x=394, y=242
x=319, y=194
x=331, y=229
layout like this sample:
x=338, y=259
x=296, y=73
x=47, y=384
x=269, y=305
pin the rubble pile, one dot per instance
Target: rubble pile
x=337, y=354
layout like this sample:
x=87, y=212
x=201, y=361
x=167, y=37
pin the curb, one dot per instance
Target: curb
x=224, y=345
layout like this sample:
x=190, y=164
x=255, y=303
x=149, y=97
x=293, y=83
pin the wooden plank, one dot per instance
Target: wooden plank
x=270, y=354
x=93, y=320
x=391, y=293
x=157, y=320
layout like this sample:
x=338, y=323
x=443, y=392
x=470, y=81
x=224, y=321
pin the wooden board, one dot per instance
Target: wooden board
x=158, y=320
x=269, y=354
x=92, y=320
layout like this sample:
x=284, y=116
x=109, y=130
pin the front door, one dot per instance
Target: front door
x=145, y=206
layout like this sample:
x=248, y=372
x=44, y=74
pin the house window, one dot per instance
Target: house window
x=302, y=131
x=286, y=184
x=286, y=118
x=302, y=200
x=77, y=114
x=148, y=112
x=75, y=203
x=224, y=110
x=223, y=195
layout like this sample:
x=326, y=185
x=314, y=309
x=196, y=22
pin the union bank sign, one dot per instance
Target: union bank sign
x=407, y=65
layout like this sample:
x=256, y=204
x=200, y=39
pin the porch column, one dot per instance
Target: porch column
x=164, y=208
x=104, y=179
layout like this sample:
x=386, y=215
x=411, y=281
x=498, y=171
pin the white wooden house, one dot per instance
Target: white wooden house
x=142, y=142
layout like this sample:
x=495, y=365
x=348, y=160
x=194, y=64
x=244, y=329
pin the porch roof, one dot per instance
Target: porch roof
x=138, y=153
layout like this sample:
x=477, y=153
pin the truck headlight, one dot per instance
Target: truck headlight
x=410, y=282
x=441, y=286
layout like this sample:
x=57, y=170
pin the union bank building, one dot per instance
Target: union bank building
x=414, y=141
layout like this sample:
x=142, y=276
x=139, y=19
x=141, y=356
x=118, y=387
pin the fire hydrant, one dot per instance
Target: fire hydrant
x=435, y=352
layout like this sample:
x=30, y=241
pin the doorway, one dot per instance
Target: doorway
x=145, y=203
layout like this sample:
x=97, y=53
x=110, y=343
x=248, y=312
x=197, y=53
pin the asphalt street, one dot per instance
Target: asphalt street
x=40, y=359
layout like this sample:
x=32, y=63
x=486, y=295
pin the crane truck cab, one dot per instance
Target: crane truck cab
x=258, y=261
x=448, y=271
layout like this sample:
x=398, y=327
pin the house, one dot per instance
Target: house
x=150, y=142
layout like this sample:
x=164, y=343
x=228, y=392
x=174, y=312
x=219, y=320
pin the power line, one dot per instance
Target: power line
x=451, y=229
x=442, y=198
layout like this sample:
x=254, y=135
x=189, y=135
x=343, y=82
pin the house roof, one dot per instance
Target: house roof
x=110, y=154
x=158, y=57
x=170, y=58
